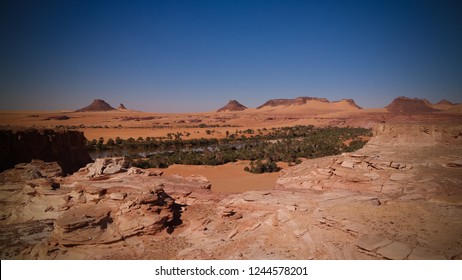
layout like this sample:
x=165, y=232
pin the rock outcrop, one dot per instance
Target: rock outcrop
x=408, y=105
x=287, y=102
x=79, y=216
x=121, y=107
x=304, y=100
x=65, y=147
x=232, y=106
x=107, y=166
x=96, y=106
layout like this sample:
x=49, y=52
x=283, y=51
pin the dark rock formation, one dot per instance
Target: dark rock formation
x=97, y=105
x=445, y=102
x=287, y=102
x=232, y=105
x=67, y=148
x=350, y=102
x=121, y=107
x=410, y=105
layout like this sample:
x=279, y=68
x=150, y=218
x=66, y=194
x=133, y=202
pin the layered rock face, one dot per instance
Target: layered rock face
x=67, y=148
x=287, y=102
x=80, y=215
x=304, y=100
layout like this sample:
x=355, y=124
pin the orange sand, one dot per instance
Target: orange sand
x=230, y=177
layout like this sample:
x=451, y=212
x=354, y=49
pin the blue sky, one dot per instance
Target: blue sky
x=191, y=56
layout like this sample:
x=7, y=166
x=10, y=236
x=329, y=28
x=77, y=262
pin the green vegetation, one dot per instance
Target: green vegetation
x=263, y=149
x=259, y=167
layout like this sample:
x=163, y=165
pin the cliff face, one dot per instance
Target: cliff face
x=67, y=148
x=287, y=102
x=303, y=100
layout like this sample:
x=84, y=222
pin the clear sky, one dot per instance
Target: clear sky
x=191, y=56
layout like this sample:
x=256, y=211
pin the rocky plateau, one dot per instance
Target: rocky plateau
x=400, y=197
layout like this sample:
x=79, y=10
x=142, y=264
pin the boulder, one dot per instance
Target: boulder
x=107, y=166
x=200, y=180
x=135, y=171
x=88, y=224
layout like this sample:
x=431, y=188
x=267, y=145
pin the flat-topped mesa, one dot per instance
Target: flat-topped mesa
x=233, y=105
x=304, y=100
x=96, y=106
x=404, y=104
x=287, y=102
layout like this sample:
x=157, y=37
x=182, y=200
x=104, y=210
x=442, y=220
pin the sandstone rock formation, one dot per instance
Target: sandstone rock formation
x=97, y=105
x=232, y=106
x=410, y=105
x=67, y=148
x=121, y=107
x=78, y=212
x=287, y=102
x=304, y=100
x=107, y=166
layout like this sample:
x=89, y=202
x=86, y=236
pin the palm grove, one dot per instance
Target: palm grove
x=263, y=148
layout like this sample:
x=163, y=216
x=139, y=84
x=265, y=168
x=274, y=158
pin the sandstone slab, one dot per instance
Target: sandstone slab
x=372, y=242
x=395, y=251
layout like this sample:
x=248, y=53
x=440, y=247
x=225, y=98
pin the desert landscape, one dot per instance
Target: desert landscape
x=397, y=195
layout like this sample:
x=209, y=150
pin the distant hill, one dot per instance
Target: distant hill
x=304, y=100
x=122, y=107
x=350, y=102
x=445, y=102
x=232, y=105
x=288, y=102
x=96, y=106
x=404, y=104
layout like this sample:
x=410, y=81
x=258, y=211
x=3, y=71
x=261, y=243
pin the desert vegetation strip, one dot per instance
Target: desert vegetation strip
x=262, y=147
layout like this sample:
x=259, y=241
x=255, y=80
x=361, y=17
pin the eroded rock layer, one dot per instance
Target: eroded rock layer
x=65, y=147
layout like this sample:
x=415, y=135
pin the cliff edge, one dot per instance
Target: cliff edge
x=67, y=148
